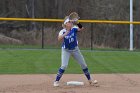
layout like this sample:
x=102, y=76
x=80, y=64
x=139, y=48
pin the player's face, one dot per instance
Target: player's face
x=69, y=24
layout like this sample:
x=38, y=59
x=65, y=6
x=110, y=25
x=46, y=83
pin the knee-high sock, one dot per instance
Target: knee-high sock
x=59, y=74
x=87, y=74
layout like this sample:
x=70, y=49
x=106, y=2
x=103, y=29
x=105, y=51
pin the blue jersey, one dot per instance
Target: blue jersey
x=70, y=40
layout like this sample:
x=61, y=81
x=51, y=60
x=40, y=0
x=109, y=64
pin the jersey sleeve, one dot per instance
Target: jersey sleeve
x=75, y=29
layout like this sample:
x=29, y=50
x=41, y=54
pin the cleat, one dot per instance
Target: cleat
x=93, y=83
x=56, y=84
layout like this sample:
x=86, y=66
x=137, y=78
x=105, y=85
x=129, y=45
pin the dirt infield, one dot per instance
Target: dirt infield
x=43, y=83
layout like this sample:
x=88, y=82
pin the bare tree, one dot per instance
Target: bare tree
x=30, y=8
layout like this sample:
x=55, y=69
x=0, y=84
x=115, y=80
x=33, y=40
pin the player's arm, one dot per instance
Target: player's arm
x=61, y=36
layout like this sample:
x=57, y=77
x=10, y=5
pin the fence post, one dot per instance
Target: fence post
x=131, y=25
x=91, y=43
x=42, y=39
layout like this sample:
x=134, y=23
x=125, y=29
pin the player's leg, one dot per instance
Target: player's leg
x=64, y=63
x=80, y=59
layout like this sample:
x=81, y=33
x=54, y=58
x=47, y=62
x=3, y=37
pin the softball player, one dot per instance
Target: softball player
x=68, y=35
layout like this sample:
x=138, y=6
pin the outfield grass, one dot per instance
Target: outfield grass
x=48, y=61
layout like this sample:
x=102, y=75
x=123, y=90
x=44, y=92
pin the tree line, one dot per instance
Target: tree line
x=103, y=35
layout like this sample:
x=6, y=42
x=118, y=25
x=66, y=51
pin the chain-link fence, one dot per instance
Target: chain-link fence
x=42, y=34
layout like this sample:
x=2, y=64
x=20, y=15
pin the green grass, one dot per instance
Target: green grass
x=2, y=46
x=48, y=61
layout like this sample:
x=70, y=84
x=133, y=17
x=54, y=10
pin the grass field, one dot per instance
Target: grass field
x=48, y=61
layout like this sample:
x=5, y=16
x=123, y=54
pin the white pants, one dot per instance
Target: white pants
x=77, y=56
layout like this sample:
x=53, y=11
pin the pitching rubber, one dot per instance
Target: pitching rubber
x=76, y=83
